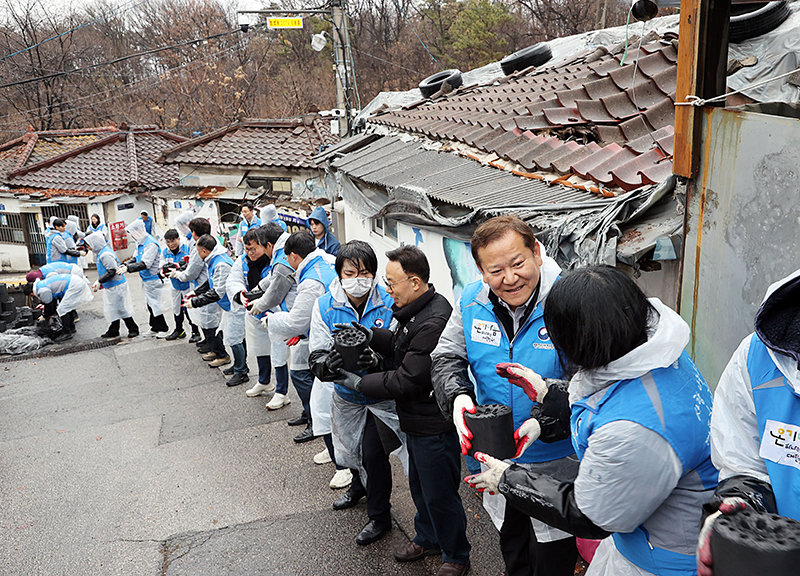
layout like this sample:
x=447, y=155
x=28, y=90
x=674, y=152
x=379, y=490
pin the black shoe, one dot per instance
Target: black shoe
x=301, y=420
x=203, y=349
x=110, y=334
x=194, y=338
x=348, y=499
x=133, y=333
x=305, y=436
x=176, y=334
x=237, y=379
x=372, y=532
x=228, y=371
x=64, y=336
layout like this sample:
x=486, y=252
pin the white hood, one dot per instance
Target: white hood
x=786, y=364
x=268, y=214
x=307, y=259
x=663, y=347
x=71, y=228
x=95, y=241
x=182, y=222
x=218, y=249
x=137, y=231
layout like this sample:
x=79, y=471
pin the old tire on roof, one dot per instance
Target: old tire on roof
x=432, y=84
x=535, y=55
x=756, y=19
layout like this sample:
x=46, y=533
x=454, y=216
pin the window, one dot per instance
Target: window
x=274, y=185
x=64, y=210
x=385, y=227
x=11, y=231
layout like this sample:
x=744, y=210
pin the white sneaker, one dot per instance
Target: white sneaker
x=341, y=479
x=260, y=389
x=323, y=457
x=162, y=335
x=278, y=401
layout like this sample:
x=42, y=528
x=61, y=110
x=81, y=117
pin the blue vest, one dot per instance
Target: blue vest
x=223, y=302
x=91, y=229
x=775, y=399
x=244, y=226
x=488, y=345
x=377, y=314
x=64, y=257
x=675, y=403
x=145, y=274
x=57, y=284
x=102, y=269
x=55, y=268
x=61, y=257
x=170, y=257
x=264, y=273
x=318, y=269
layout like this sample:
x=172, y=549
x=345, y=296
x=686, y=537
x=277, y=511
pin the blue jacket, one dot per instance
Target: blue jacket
x=675, y=403
x=170, y=256
x=329, y=243
x=120, y=278
x=223, y=302
x=776, y=400
x=146, y=275
x=317, y=269
x=244, y=226
x=377, y=314
x=59, y=267
x=488, y=345
x=53, y=287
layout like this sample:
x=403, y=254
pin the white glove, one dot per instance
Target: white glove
x=188, y=303
x=191, y=294
x=122, y=269
x=265, y=321
x=526, y=435
x=96, y=286
x=463, y=403
x=488, y=479
x=174, y=273
x=531, y=383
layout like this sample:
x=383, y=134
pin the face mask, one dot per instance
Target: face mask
x=357, y=287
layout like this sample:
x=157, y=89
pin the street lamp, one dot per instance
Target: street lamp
x=318, y=41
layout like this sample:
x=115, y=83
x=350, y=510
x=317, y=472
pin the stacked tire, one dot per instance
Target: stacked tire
x=8, y=309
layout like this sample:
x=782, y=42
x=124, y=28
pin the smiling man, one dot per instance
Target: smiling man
x=497, y=320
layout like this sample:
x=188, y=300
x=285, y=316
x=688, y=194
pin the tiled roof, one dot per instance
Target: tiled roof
x=288, y=143
x=578, y=117
x=97, y=160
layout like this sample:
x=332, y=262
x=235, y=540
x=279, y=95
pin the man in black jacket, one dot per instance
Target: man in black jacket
x=433, y=449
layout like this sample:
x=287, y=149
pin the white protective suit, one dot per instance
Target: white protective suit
x=151, y=255
x=231, y=323
x=117, y=299
x=275, y=291
x=195, y=272
x=75, y=289
x=735, y=438
x=257, y=336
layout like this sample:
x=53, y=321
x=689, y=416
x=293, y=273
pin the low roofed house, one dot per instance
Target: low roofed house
x=249, y=160
x=109, y=170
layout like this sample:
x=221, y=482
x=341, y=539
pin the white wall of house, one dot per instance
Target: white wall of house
x=13, y=257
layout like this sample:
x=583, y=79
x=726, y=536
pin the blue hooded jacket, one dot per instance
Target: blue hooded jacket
x=329, y=243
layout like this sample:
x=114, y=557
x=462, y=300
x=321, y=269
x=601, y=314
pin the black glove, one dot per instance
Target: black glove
x=238, y=298
x=326, y=366
x=363, y=329
x=73, y=253
x=369, y=361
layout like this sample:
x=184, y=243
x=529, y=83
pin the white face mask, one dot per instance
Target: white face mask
x=358, y=287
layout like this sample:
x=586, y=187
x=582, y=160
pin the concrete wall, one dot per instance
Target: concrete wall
x=742, y=234
x=14, y=257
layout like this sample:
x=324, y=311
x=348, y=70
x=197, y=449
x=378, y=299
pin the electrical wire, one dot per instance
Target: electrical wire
x=633, y=91
x=117, y=60
x=627, y=23
x=397, y=3
x=102, y=17
x=388, y=62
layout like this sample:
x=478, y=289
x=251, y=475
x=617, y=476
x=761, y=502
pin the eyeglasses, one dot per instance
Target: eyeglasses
x=389, y=286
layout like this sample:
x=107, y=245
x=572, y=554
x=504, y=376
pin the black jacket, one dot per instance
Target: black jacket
x=419, y=326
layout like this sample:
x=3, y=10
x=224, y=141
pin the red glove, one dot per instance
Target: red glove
x=293, y=340
x=704, y=561
x=531, y=383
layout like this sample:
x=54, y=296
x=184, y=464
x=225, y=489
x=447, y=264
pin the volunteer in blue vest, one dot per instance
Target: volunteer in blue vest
x=48, y=229
x=249, y=220
x=756, y=410
x=248, y=270
x=62, y=294
x=60, y=245
x=95, y=225
x=313, y=275
x=116, y=295
x=146, y=262
x=176, y=253
x=147, y=222
x=354, y=419
x=54, y=268
x=218, y=265
x=278, y=291
x=320, y=227
x=207, y=317
x=640, y=417
x=269, y=213
x=499, y=319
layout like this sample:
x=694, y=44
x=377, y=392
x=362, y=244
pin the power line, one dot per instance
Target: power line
x=117, y=60
x=102, y=17
x=387, y=62
x=410, y=25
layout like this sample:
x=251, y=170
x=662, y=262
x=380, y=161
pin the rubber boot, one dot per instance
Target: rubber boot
x=133, y=328
x=113, y=330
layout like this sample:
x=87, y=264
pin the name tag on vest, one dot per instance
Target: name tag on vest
x=780, y=443
x=486, y=332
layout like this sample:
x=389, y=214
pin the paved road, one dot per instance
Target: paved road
x=137, y=459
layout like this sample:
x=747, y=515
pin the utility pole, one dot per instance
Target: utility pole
x=343, y=73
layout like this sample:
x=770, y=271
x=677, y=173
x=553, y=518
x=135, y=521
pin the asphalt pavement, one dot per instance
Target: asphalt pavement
x=136, y=459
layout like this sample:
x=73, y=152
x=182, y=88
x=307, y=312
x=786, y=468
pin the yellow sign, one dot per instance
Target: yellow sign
x=285, y=22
